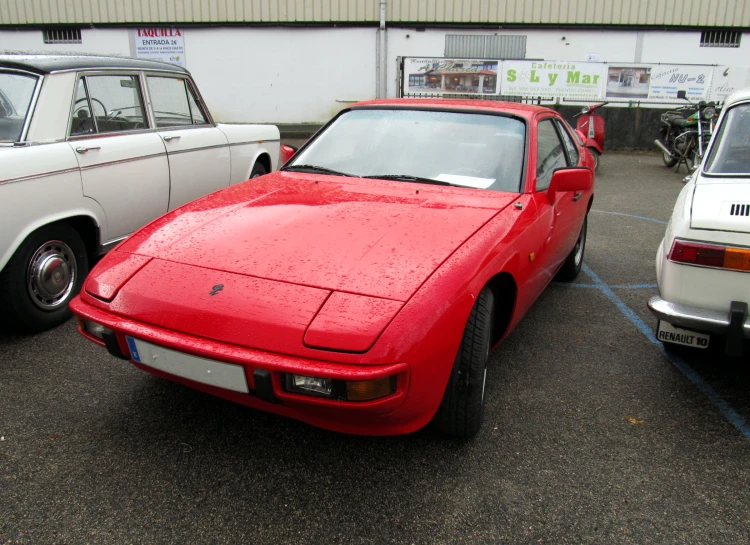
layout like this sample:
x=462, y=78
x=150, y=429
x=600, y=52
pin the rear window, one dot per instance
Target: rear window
x=16, y=92
x=730, y=153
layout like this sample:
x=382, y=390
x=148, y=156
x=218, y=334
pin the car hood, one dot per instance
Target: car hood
x=367, y=237
x=721, y=205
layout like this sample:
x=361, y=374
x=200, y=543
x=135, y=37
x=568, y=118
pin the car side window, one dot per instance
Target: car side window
x=116, y=103
x=570, y=146
x=82, y=122
x=549, y=155
x=173, y=102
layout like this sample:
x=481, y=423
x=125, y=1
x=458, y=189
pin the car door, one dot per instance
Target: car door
x=198, y=152
x=570, y=205
x=123, y=164
x=550, y=156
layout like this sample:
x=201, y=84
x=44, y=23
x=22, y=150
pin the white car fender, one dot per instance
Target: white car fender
x=247, y=143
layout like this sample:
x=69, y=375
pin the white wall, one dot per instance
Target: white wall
x=305, y=75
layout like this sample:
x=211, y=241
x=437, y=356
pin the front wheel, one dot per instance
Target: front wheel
x=41, y=278
x=461, y=411
x=595, y=154
x=574, y=262
x=258, y=171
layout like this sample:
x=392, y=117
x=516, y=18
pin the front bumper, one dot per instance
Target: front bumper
x=397, y=413
x=699, y=319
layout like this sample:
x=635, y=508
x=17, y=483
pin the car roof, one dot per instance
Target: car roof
x=516, y=108
x=46, y=63
x=740, y=95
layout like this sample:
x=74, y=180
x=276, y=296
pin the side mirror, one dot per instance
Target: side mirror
x=570, y=179
x=585, y=110
x=681, y=94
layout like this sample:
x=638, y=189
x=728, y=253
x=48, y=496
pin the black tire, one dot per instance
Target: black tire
x=595, y=154
x=574, y=262
x=669, y=160
x=461, y=411
x=34, y=305
x=258, y=170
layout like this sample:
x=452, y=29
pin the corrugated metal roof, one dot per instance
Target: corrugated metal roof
x=705, y=13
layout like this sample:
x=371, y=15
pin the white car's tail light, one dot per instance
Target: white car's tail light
x=710, y=255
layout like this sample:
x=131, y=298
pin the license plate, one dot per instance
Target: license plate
x=668, y=333
x=205, y=371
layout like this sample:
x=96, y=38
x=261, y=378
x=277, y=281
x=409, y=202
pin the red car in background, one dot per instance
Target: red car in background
x=362, y=287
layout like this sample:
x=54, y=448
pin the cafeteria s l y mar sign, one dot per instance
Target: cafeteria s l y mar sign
x=573, y=80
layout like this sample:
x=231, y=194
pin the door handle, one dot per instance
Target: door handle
x=84, y=150
x=577, y=196
x=168, y=138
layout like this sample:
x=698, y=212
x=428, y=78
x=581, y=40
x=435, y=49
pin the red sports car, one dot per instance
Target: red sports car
x=362, y=287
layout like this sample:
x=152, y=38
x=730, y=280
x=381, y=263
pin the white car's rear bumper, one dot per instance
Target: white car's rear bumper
x=699, y=319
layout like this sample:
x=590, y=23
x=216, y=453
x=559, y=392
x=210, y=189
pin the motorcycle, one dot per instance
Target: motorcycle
x=686, y=132
x=590, y=128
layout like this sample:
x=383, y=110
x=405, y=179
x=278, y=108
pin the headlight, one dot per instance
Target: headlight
x=709, y=113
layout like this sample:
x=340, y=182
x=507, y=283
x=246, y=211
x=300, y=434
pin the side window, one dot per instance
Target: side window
x=82, y=121
x=117, y=103
x=173, y=102
x=549, y=154
x=570, y=146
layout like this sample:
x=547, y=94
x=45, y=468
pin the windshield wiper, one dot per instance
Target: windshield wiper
x=408, y=178
x=316, y=169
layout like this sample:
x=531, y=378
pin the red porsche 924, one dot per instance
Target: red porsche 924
x=362, y=287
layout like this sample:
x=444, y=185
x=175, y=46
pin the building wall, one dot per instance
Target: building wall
x=305, y=75
x=720, y=13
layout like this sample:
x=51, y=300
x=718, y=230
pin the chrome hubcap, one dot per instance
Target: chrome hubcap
x=51, y=274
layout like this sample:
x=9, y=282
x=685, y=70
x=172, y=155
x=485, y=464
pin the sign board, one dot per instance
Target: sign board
x=160, y=44
x=727, y=79
x=572, y=80
x=431, y=76
x=667, y=79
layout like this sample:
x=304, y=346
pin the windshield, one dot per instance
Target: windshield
x=730, y=153
x=16, y=91
x=454, y=148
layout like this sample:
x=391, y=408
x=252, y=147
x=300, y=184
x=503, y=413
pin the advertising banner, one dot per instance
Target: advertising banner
x=160, y=44
x=571, y=80
x=726, y=80
x=667, y=79
x=430, y=76
x=628, y=81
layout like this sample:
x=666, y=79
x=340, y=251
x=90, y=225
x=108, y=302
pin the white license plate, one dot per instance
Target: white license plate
x=213, y=373
x=668, y=333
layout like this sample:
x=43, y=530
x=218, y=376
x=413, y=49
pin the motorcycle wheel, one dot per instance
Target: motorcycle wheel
x=669, y=160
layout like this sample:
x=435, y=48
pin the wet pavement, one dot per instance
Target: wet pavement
x=593, y=434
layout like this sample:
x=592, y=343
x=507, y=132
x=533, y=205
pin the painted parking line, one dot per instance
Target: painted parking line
x=724, y=408
x=629, y=216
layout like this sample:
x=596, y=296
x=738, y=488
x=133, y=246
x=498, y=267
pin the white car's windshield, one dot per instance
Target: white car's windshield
x=730, y=153
x=451, y=148
x=16, y=91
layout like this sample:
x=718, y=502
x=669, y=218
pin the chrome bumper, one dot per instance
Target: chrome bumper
x=700, y=319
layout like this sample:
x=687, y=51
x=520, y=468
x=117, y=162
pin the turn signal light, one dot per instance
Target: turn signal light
x=366, y=390
x=710, y=255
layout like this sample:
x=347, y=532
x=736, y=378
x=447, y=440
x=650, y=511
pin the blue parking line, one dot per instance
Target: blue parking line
x=629, y=216
x=724, y=408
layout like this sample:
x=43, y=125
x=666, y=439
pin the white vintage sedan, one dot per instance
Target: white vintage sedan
x=91, y=149
x=703, y=263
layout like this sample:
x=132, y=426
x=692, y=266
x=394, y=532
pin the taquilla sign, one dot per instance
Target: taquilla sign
x=573, y=80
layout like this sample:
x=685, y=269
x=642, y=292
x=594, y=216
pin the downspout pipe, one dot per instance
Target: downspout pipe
x=382, y=54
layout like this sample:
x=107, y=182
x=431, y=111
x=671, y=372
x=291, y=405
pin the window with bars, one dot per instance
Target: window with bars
x=62, y=36
x=720, y=38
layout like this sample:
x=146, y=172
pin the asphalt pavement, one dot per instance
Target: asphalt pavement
x=593, y=434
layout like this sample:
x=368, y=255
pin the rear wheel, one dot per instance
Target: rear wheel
x=41, y=278
x=461, y=411
x=669, y=160
x=574, y=262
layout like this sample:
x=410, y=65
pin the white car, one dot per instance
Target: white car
x=703, y=263
x=91, y=149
